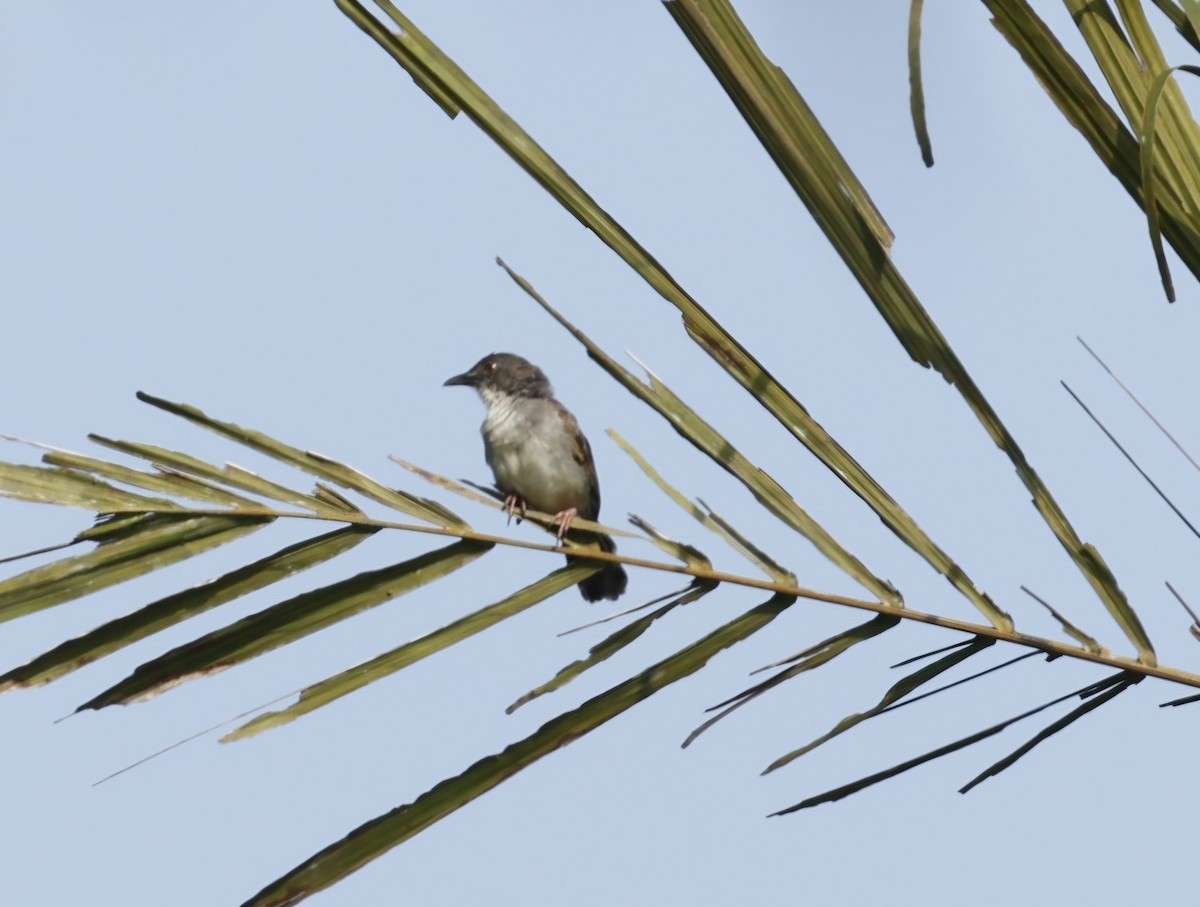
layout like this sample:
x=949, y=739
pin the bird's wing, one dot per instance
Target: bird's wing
x=582, y=452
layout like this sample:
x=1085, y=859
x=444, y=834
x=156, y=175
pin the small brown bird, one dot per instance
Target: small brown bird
x=539, y=456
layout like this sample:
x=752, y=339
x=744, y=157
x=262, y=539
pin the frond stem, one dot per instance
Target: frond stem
x=464, y=531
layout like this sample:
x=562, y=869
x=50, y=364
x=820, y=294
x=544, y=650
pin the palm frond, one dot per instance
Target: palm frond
x=316, y=695
x=374, y=838
x=177, y=506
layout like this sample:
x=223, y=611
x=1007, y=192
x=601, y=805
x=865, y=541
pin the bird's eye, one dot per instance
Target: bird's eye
x=490, y=367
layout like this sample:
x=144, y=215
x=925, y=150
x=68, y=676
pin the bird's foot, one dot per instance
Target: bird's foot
x=514, y=503
x=563, y=520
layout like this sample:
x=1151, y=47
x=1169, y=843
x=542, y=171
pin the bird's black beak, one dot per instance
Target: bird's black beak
x=465, y=378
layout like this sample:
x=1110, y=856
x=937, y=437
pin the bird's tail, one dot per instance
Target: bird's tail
x=610, y=582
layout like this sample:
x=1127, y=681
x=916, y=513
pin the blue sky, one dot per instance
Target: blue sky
x=250, y=208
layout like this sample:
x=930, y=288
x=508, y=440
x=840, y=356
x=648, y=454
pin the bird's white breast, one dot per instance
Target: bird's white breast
x=532, y=455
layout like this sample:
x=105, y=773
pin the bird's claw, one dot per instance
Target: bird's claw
x=563, y=520
x=513, y=503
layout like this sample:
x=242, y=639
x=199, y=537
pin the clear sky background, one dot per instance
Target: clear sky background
x=250, y=208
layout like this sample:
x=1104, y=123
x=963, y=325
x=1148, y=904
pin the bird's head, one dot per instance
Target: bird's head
x=504, y=375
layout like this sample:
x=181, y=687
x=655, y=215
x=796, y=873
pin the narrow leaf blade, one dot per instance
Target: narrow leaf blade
x=157, y=543
x=166, y=612
x=319, y=694
x=376, y=837
x=285, y=623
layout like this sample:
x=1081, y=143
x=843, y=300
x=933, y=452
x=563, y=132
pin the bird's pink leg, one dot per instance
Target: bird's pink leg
x=563, y=519
x=514, y=502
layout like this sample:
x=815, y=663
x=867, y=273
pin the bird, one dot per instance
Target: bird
x=540, y=458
